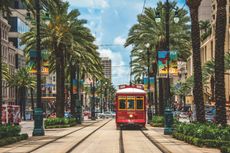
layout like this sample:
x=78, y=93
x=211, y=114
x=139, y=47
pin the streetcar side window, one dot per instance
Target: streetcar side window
x=130, y=104
x=139, y=104
x=121, y=103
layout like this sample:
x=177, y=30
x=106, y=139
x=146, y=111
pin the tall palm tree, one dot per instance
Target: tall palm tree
x=195, y=33
x=23, y=82
x=147, y=30
x=219, y=62
x=64, y=35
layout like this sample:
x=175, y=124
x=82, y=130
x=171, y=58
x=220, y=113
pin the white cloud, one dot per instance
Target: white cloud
x=119, y=40
x=89, y=3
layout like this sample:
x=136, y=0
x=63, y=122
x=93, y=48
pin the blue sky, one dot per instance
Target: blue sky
x=110, y=21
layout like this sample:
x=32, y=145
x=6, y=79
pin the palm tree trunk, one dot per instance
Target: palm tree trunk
x=24, y=102
x=1, y=75
x=161, y=97
x=212, y=82
x=72, y=96
x=60, y=83
x=198, y=86
x=32, y=100
x=21, y=102
x=155, y=95
x=219, y=63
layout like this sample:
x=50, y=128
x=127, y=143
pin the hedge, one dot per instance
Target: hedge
x=60, y=122
x=10, y=140
x=206, y=134
x=157, y=121
x=225, y=149
x=201, y=142
x=9, y=131
x=204, y=131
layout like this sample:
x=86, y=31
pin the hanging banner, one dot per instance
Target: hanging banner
x=151, y=83
x=145, y=83
x=162, y=62
x=151, y=79
x=74, y=86
x=44, y=62
x=173, y=67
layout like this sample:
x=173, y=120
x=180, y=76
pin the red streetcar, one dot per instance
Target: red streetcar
x=130, y=106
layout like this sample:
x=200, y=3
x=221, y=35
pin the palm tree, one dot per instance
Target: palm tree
x=219, y=62
x=23, y=82
x=147, y=30
x=198, y=86
x=205, y=29
x=65, y=36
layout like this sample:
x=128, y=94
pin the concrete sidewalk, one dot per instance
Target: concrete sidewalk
x=171, y=145
x=35, y=142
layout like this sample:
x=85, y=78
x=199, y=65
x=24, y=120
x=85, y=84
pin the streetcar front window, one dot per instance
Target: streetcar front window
x=130, y=104
x=139, y=103
x=121, y=103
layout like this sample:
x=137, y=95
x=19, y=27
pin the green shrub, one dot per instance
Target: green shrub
x=225, y=149
x=9, y=131
x=158, y=119
x=10, y=140
x=207, y=134
x=59, y=122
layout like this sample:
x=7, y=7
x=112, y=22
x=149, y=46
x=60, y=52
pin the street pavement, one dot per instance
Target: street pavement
x=172, y=145
x=105, y=140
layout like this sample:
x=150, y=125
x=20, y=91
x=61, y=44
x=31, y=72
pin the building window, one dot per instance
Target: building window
x=54, y=79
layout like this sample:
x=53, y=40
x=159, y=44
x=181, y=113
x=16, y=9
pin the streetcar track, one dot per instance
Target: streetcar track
x=156, y=143
x=121, y=142
x=83, y=139
x=60, y=137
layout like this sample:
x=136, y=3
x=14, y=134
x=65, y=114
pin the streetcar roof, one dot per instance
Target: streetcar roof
x=131, y=90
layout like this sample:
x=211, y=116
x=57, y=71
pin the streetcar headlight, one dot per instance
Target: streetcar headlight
x=131, y=115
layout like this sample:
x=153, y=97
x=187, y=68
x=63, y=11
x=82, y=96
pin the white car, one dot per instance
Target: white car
x=107, y=115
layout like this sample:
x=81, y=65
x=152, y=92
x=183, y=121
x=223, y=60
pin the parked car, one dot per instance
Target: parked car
x=68, y=115
x=107, y=115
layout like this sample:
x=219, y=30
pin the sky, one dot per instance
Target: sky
x=110, y=21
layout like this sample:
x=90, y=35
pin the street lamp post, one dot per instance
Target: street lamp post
x=38, y=112
x=168, y=110
x=149, y=93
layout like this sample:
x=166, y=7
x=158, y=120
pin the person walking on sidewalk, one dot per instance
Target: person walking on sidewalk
x=190, y=115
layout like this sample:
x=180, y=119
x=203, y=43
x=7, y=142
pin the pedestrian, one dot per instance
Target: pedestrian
x=190, y=115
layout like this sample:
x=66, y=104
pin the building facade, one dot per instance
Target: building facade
x=107, y=67
x=205, y=10
x=8, y=58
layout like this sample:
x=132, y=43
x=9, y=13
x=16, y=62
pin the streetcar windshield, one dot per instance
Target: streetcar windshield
x=121, y=103
x=139, y=104
x=130, y=104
